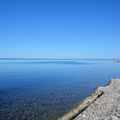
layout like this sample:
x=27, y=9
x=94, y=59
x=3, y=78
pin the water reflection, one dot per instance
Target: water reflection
x=46, y=89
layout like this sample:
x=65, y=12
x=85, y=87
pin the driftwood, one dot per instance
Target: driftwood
x=76, y=111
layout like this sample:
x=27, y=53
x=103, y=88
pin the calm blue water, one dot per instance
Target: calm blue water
x=47, y=89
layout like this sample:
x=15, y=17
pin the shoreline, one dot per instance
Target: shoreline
x=117, y=61
x=78, y=112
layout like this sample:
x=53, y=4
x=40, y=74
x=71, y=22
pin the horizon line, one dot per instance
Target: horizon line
x=58, y=58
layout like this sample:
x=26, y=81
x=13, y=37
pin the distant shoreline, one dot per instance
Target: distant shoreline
x=118, y=61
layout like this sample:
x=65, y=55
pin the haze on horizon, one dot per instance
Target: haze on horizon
x=59, y=29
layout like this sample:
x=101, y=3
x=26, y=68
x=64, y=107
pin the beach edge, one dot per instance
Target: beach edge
x=85, y=103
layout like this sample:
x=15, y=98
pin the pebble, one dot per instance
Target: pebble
x=107, y=107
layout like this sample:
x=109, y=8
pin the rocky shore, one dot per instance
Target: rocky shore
x=107, y=107
x=104, y=104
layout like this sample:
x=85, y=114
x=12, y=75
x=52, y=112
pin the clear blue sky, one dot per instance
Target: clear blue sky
x=60, y=28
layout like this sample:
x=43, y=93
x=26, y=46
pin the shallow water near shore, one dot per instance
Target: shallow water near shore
x=47, y=89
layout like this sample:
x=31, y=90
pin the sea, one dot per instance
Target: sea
x=46, y=89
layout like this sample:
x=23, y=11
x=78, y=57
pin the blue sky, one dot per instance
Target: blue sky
x=60, y=28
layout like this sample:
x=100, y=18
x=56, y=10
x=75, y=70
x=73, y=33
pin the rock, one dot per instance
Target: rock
x=107, y=107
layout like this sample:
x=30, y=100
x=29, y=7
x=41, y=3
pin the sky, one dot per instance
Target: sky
x=60, y=29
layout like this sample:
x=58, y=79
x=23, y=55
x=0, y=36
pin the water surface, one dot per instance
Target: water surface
x=47, y=89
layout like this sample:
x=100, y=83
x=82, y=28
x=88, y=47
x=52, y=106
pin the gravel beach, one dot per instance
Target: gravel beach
x=107, y=107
